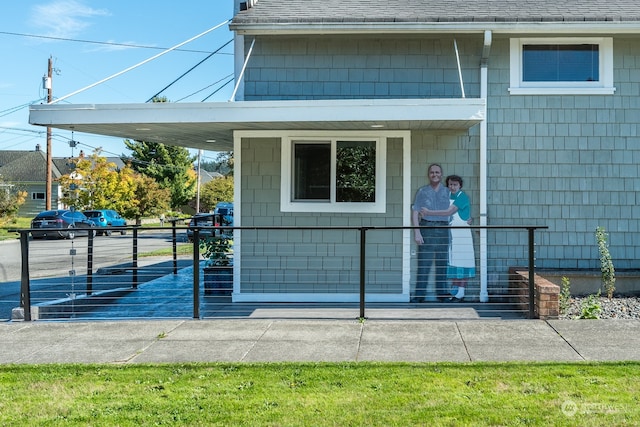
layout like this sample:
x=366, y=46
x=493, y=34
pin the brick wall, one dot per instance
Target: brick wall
x=546, y=294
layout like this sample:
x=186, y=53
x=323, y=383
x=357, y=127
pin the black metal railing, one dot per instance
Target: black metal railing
x=275, y=260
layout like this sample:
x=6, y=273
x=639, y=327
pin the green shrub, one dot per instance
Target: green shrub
x=590, y=307
x=606, y=264
x=565, y=295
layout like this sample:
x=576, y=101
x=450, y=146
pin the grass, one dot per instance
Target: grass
x=14, y=224
x=322, y=394
x=181, y=249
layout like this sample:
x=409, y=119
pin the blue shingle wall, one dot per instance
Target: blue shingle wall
x=301, y=261
x=332, y=67
x=569, y=162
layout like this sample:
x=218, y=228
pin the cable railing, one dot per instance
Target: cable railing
x=276, y=271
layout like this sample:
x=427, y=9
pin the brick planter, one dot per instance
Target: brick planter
x=546, y=294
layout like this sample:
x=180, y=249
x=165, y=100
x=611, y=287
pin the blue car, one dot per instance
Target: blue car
x=106, y=218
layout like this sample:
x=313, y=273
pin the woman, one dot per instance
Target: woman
x=461, y=265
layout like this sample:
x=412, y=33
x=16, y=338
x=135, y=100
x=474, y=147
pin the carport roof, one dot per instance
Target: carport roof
x=210, y=126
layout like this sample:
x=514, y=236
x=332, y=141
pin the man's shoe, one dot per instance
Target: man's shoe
x=455, y=299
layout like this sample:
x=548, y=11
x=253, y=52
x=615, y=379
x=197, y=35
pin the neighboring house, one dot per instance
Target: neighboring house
x=535, y=104
x=26, y=170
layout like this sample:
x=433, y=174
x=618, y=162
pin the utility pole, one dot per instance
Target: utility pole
x=198, y=184
x=49, y=86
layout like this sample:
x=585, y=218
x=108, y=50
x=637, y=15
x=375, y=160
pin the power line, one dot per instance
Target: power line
x=141, y=63
x=208, y=86
x=129, y=45
x=220, y=88
x=189, y=70
x=18, y=107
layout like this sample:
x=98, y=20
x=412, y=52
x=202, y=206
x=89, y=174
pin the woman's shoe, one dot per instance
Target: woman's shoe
x=456, y=299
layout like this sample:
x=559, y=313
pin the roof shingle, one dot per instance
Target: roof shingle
x=377, y=11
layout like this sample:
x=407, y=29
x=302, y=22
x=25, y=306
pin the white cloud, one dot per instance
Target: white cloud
x=64, y=18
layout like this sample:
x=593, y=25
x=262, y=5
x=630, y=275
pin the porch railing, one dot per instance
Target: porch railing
x=354, y=267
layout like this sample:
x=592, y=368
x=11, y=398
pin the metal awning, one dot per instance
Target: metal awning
x=210, y=126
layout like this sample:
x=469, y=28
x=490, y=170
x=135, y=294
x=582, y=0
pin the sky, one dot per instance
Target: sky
x=92, y=40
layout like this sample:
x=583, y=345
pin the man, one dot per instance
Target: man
x=433, y=243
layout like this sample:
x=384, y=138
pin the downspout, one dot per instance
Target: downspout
x=484, y=86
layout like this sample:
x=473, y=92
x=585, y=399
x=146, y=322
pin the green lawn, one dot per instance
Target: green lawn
x=323, y=394
x=18, y=223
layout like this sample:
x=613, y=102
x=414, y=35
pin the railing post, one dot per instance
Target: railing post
x=532, y=288
x=174, y=240
x=196, y=273
x=134, y=272
x=25, y=286
x=90, y=262
x=363, y=242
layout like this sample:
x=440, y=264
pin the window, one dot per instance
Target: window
x=561, y=66
x=37, y=196
x=333, y=174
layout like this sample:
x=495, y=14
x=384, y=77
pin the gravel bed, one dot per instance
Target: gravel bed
x=615, y=308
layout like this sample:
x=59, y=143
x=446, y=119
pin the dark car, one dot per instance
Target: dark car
x=202, y=220
x=102, y=218
x=225, y=212
x=61, y=223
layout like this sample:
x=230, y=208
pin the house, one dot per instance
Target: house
x=26, y=170
x=536, y=104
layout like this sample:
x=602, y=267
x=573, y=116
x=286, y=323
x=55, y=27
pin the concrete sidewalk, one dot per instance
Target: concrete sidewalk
x=275, y=340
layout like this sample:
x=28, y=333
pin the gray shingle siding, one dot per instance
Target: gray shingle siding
x=290, y=68
x=324, y=261
x=569, y=162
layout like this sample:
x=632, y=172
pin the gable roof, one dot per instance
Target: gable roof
x=24, y=166
x=328, y=13
x=30, y=166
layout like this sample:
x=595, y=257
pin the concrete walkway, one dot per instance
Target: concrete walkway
x=274, y=340
x=163, y=332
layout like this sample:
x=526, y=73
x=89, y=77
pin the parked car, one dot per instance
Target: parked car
x=225, y=211
x=61, y=223
x=106, y=218
x=202, y=220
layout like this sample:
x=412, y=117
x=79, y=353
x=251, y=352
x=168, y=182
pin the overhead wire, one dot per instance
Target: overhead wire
x=189, y=70
x=12, y=110
x=140, y=63
x=207, y=87
x=129, y=45
x=217, y=90
x=210, y=54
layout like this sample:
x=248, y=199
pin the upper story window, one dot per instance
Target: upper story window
x=333, y=174
x=561, y=66
x=37, y=196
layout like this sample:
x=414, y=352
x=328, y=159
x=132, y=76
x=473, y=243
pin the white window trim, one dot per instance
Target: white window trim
x=602, y=87
x=379, y=206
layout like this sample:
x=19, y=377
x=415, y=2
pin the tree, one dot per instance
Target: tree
x=10, y=201
x=96, y=183
x=170, y=166
x=150, y=199
x=215, y=191
x=223, y=164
